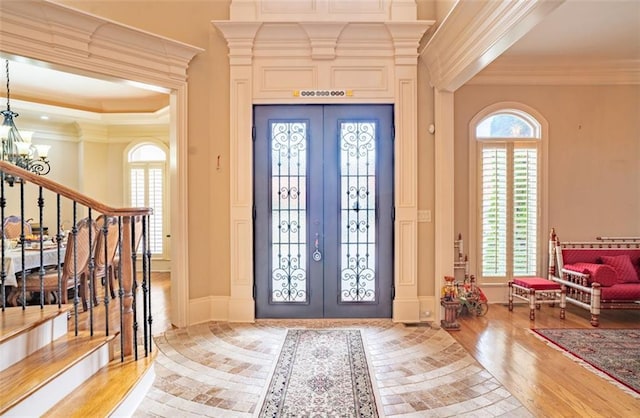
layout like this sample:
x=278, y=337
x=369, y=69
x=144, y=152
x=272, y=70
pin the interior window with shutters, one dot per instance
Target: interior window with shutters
x=147, y=164
x=509, y=172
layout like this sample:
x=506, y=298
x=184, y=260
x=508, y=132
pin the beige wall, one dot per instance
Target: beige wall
x=208, y=127
x=594, y=155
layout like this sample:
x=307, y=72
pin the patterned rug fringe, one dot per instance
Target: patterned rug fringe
x=587, y=365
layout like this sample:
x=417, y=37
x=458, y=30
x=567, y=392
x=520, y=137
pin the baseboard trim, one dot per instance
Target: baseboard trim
x=208, y=308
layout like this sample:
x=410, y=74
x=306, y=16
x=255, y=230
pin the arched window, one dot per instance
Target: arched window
x=508, y=187
x=147, y=178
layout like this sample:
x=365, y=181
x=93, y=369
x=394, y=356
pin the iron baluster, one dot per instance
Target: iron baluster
x=22, y=241
x=59, y=248
x=120, y=289
x=41, y=242
x=146, y=272
x=144, y=283
x=74, y=236
x=134, y=294
x=92, y=261
x=3, y=272
x=105, y=278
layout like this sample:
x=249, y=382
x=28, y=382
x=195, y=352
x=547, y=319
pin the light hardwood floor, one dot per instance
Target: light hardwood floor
x=545, y=380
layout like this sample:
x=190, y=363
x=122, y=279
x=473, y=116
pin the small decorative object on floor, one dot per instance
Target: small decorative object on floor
x=472, y=299
x=450, y=302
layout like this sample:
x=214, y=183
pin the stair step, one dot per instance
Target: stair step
x=115, y=390
x=23, y=331
x=33, y=385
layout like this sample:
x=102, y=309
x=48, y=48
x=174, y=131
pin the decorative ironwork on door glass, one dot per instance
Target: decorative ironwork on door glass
x=289, y=212
x=358, y=211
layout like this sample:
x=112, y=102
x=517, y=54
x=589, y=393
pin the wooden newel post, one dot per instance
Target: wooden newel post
x=127, y=287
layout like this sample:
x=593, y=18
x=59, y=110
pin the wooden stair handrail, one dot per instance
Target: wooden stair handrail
x=126, y=250
x=69, y=193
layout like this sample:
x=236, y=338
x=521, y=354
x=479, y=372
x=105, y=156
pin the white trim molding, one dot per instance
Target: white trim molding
x=67, y=38
x=552, y=71
x=368, y=48
x=474, y=33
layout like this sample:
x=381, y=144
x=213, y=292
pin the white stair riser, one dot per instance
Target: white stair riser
x=132, y=401
x=50, y=394
x=20, y=346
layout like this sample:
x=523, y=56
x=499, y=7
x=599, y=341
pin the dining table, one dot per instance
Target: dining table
x=13, y=259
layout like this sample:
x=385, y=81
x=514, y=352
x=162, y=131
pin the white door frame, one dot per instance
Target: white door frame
x=69, y=38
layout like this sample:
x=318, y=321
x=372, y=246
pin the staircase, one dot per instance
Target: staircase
x=56, y=359
x=46, y=370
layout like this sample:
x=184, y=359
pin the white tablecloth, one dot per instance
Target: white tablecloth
x=13, y=261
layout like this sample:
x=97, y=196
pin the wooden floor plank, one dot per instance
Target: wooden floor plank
x=42, y=366
x=540, y=376
x=102, y=393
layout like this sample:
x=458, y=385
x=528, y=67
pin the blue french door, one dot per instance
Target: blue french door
x=323, y=196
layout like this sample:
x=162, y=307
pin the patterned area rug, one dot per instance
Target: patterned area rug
x=321, y=373
x=613, y=352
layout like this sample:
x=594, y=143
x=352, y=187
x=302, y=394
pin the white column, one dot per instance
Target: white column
x=179, y=206
x=444, y=211
x=406, y=305
x=240, y=40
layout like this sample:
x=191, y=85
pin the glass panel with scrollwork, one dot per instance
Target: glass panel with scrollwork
x=358, y=211
x=289, y=212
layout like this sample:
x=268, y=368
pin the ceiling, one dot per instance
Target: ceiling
x=585, y=30
x=577, y=30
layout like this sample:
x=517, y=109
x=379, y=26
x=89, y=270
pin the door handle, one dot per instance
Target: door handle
x=317, y=255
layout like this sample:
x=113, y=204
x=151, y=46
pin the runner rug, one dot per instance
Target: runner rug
x=321, y=373
x=612, y=352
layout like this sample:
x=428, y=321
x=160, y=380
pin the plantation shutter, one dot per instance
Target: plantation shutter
x=525, y=214
x=156, y=193
x=494, y=210
x=509, y=215
x=147, y=189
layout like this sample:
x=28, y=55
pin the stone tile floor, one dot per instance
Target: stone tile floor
x=223, y=369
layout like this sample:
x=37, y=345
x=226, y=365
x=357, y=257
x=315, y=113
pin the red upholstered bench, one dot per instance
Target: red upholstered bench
x=537, y=291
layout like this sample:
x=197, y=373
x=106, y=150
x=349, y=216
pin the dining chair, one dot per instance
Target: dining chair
x=12, y=227
x=104, y=267
x=116, y=260
x=74, y=268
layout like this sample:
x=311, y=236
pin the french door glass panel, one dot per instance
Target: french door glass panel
x=288, y=213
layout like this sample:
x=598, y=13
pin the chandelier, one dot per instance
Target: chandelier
x=17, y=147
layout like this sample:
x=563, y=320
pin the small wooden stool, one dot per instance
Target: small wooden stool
x=537, y=291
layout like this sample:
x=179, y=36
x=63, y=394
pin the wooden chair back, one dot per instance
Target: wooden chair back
x=110, y=241
x=13, y=227
x=76, y=258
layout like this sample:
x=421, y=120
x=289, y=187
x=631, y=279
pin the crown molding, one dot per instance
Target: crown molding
x=56, y=34
x=68, y=115
x=555, y=71
x=474, y=33
x=322, y=40
x=326, y=10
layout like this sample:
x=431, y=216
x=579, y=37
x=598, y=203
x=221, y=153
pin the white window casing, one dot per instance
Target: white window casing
x=507, y=193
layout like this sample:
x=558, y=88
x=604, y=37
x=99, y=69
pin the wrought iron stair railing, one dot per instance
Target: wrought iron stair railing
x=132, y=288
